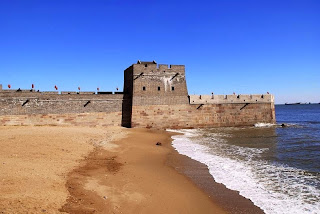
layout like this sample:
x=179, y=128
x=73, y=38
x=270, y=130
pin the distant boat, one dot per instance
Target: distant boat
x=292, y=103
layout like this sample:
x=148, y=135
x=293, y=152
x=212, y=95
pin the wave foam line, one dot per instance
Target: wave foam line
x=240, y=176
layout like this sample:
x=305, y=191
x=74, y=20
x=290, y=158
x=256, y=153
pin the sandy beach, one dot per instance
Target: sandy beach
x=35, y=162
x=97, y=170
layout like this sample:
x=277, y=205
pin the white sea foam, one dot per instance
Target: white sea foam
x=267, y=125
x=275, y=189
x=264, y=124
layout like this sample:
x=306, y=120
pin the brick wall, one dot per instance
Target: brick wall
x=200, y=116
x=20, y=103
x=72, y=119
x=50, y=108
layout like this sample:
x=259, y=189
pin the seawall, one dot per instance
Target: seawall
x=90, y=109
x=202, y=116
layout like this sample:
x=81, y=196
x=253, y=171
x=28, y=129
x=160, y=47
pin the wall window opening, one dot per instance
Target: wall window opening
x=143, y=88
x=158, y=88
x=172, y=88
x=146, y=65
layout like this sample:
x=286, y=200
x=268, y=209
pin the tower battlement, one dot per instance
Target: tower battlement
x=149, y=80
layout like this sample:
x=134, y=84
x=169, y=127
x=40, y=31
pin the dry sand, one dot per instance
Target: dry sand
x=35, y=162
x=93, y=170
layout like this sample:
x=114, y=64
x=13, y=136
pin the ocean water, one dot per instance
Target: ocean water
x=277, y=168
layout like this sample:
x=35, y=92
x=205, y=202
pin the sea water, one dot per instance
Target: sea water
x=277, y=168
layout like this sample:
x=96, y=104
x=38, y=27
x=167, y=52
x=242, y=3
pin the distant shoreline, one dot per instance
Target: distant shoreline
x=296, y=104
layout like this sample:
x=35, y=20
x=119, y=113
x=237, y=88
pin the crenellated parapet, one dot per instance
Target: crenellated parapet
x=221, y=99
x=32, y=92
x=80, y=92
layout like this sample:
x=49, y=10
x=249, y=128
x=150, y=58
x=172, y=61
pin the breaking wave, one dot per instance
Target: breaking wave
x=273, y=187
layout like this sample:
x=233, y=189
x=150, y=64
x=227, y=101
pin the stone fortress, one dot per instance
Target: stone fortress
x=154, y=96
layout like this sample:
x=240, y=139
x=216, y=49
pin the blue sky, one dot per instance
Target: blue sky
x=242, y=46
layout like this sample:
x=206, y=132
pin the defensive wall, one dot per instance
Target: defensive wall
x=29, y=107
x=154, y=96
x=160, y=100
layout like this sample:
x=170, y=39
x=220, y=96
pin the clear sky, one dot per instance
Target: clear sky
x=241, y=46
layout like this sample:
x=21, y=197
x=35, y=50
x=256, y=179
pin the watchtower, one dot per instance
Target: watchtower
x=153, y=84
x=149, y=84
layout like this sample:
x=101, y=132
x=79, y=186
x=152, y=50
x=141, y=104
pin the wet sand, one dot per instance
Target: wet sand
x=136, y=180
x=109, y=170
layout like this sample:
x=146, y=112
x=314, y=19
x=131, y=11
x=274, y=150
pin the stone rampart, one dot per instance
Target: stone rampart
x=202, y=116
x=154, y=96
x=72, y=119
x=25, y=103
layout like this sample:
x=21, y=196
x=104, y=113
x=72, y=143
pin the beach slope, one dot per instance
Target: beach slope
x=93, y=170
